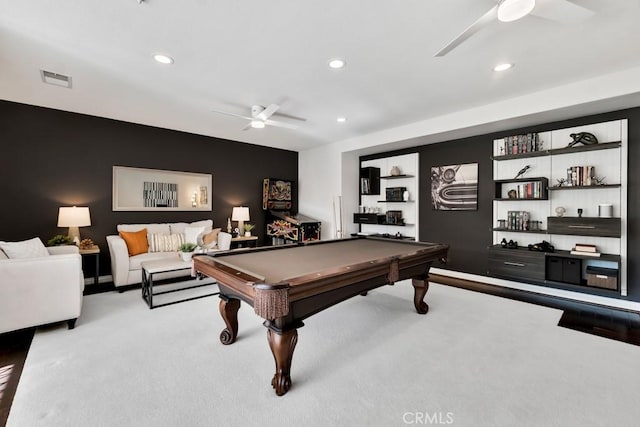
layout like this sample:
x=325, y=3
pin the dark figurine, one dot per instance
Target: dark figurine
x=543, y=246
x=585, y=138
x=579, y=213
x=522, y=171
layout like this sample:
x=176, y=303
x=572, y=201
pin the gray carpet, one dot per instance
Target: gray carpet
x=473, y=360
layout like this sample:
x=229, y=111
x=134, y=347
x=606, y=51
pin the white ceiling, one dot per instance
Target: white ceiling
x=235, y=53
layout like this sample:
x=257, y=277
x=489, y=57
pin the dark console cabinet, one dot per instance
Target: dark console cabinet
x=556, y=269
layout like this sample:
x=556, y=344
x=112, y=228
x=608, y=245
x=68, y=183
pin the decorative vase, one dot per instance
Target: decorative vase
x=186, y=256
x=405, y=196
x=395, y=171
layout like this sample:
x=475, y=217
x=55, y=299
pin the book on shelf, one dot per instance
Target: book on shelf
x=585, y=247
x=520, y=144
x=594, y=254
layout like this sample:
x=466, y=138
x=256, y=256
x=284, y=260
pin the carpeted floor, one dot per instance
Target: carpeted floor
x=473, y=360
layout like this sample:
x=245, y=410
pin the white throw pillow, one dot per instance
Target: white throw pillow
x=192, y=234
x=165, y=242
x=32, y=248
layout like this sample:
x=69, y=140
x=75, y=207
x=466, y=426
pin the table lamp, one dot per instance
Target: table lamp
x=74, y=217
x=240, y=214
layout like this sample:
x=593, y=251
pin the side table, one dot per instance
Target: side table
x=95, y=252
x=242, y=242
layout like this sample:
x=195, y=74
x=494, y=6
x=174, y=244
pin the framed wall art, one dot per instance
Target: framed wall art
x=454, y=187
x=139, y=189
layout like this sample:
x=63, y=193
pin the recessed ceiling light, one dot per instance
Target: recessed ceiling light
x=502, y=67
x=336, y=63
x=163, y=59
x=257, y=124
x=341, y=119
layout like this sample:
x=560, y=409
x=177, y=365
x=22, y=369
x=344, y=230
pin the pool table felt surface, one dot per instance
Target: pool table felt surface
x=284, y=264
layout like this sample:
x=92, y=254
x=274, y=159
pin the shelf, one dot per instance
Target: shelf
x=602, y=257
x=396, y=176
x=395, y=201
x=519, y=200
x=585, y=187
x=509, y=230
x=523, y=186
x=556, y=151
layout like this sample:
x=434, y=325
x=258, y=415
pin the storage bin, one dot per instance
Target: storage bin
x=600, y=277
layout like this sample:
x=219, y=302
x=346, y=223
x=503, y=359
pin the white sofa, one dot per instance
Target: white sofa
x=37, y=291
x=127, y=270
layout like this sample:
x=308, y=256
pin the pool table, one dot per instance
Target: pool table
x=287, y=284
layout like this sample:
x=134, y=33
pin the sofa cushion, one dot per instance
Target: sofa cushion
x=151, y=228
x=136, y=241
x=136, y=261
x=165, y=242
x=32, y=248
x=178, y=227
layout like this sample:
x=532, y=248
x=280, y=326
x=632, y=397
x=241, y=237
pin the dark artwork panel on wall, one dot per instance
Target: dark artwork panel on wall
x=64, y=159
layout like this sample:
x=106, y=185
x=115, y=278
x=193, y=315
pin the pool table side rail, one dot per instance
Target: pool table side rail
x=409, y=264
x=377, y=272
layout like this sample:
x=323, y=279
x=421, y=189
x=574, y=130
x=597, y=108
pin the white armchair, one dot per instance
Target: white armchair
x=37, y=291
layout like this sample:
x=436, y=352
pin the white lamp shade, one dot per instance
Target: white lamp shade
x=240, y=213
x=74, y=217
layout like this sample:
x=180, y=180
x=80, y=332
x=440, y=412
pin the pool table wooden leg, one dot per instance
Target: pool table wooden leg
x=420, y=288
x=282, y=346
x=229, y=310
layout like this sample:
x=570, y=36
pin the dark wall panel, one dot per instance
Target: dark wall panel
x=51, y=158
x=469, y=232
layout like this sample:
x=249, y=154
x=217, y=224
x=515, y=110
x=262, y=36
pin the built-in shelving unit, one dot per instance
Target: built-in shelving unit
x=565, y=215
x=394, y=211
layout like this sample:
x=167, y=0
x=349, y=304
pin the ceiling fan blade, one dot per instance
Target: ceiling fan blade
x=562, y=11
x=232, y=114
x=280, y=124
x=288, y=116
x=268, y=112
x=247, y=127
x=485, y=19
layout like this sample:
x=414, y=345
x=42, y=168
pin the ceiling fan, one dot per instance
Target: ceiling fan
x=562, y=11
x=261, y=117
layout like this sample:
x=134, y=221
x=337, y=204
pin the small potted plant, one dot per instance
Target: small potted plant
x=247, y=229
x=186, y=251
x=59, y=240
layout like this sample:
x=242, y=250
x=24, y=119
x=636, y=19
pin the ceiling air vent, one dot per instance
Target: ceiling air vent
x=55, y=79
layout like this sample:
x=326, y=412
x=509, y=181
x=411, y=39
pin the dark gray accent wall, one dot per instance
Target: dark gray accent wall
x=469, y=232
x=51, y=158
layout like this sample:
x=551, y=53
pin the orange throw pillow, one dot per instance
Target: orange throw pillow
x=136, y=241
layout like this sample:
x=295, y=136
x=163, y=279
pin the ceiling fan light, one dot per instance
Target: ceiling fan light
x=512, y=10
x=257, y=124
